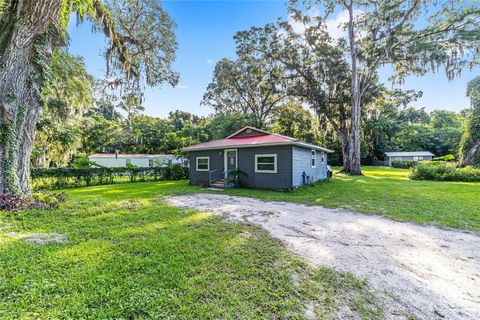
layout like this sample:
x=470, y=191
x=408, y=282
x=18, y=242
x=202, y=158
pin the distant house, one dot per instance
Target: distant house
x=139, y=160
x=407, y=156
x=270, y=160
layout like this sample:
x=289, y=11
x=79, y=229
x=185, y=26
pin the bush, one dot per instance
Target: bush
x=12, y=203
x=176, y=172
x=47, y=200
x=56, y=178
x=405, y=164
x=447, y=157
x=442, y=171
x=37, y=201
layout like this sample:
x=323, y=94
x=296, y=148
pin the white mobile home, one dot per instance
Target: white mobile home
x=140, y=160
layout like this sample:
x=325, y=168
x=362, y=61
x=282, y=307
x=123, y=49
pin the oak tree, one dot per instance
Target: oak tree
x=141, y=48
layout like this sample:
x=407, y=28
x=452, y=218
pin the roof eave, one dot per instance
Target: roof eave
x=190, y=149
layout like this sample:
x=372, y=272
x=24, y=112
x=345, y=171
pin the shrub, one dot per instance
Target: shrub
x=176, y=172
x=47, y=200
x=236, y=175
x=442, y=171
x=447, y=157
x=37, y=201
x=12, y=203
x=404, y=164
x=56, y=178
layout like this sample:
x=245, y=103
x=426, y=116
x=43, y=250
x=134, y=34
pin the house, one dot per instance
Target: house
x=139, y=160
x=270, y=160
x=407, y=156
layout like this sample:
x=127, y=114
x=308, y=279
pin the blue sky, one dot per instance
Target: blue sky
x=205, y=32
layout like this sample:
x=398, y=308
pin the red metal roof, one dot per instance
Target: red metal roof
x=242, y=141
x=254, y=140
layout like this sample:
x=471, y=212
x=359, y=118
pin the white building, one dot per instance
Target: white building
x=139, y=160
x=407, y=156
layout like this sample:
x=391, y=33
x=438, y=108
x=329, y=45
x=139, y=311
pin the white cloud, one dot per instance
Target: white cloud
x=335, y=27
x=210, y=61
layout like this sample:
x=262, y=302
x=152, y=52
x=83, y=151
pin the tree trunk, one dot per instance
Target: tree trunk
x=25, y=49
x=354, y=145
x=471, y=157
x=345, y=141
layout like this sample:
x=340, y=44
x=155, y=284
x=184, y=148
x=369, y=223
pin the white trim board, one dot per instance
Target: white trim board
x=225, y=161
x=208, y=163
x=274, y=155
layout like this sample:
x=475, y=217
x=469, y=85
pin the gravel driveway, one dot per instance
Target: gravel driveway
x=428, y=272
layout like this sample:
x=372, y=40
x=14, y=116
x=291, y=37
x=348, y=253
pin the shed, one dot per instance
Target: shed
x=270, y=160
x=407, y=156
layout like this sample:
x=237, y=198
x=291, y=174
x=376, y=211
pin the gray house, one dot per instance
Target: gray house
x=407, y=156
x=270, y=160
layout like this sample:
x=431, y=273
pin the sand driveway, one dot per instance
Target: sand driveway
x=428, y=272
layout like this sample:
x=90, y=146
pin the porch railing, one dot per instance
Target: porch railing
x=214, y=175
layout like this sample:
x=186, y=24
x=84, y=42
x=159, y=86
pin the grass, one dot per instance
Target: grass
x=389, y=192
x=131, y=256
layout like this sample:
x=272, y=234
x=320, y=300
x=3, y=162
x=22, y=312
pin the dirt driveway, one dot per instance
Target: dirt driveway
x=423, y=271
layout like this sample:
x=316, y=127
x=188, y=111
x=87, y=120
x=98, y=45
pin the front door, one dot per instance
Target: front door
x=230, y=160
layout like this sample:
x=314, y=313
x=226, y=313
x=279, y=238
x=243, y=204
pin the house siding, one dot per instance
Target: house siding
x=280, y=180
x=292, y=161
x=216, y=162
x=302, y=163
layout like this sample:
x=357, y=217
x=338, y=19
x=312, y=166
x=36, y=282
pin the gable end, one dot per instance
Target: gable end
x=248, y=132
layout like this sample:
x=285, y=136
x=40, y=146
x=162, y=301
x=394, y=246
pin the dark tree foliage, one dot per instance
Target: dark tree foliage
x=470, y=145
x=390, y=125
x=252, y=84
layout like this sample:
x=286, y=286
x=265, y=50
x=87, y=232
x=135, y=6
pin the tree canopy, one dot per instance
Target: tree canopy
x=140, y=52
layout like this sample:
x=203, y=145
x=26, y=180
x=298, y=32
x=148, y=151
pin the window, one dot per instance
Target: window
x=203, y=163
x=266, y=163
x=314, y=159
x=323, y=158
x=169, y=161
x=128, y=161
x=150, y=162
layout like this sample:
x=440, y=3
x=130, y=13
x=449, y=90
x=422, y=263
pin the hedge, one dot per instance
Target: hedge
x=404, y=164
x=442, y=171
x=59, y=178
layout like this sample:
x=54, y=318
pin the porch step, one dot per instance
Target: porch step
x=219, y=184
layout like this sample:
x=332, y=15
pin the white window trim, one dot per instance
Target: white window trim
x=208, y=163
x=274, y=155
x=225, y=159
x=313, y=156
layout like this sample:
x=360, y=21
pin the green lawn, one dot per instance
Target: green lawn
x=389, y=192
x=129, y=255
